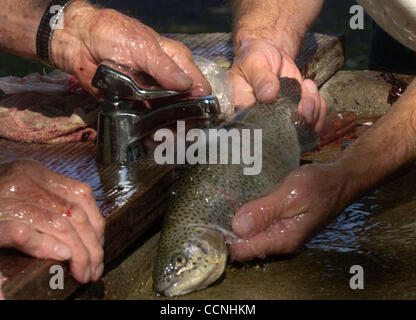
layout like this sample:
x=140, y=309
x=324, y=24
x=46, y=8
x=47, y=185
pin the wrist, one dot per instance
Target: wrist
x=68, y=41
x=287, y=40
x=388, y=145
x=358, y=177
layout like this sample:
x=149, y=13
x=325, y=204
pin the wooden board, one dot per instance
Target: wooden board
x=131, y=198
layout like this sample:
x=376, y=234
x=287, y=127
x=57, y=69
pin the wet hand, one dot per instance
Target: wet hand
x=50, y=216
x=304, y=202
x=109, y=35
x=254, y=76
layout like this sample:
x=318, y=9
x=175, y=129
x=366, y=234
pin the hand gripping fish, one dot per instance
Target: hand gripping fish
x=192, y=251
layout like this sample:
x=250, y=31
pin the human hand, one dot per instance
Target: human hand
x=91, y=36
x=255, y=74
x=305, y=201
x=50, y=216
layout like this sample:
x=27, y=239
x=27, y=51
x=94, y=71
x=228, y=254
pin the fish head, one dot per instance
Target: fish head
x=191, y=263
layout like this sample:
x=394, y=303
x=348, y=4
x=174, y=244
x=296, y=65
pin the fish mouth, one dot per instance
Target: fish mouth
x=169, y=290
x=181, y=286
x=165, y=291
x=199, y=281
x=176, y=285
x=209, y=245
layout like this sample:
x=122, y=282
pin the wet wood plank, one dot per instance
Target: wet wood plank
x=131, y=198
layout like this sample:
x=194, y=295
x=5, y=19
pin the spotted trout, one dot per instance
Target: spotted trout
x=192, y=251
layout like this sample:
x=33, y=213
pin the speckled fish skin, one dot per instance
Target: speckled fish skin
x=192, y=251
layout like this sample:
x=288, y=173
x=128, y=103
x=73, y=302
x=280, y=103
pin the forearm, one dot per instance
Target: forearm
x=384, y=148
x=19, y=23
x=282, y=22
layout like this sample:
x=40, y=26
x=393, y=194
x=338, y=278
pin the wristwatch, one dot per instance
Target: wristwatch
x=48, y=24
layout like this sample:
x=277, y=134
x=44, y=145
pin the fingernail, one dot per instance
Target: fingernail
x=63, y=251
x=307, y=106
x=266, y=90
x=311, y=87
x=87, y=276
x=99, y=271
x=182, y=78
x=244, y=223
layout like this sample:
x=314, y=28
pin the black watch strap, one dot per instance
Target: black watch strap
x=45, y=31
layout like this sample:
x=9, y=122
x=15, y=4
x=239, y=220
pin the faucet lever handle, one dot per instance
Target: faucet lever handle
x=126, y=83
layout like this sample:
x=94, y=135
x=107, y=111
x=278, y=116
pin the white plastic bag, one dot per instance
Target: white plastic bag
x=217, y=76
x=58, y=82
x=53, y=83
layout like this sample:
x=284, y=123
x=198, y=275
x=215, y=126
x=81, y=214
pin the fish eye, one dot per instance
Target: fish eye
x=179, y=260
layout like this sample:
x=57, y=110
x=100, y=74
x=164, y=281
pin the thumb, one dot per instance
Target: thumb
x=266, y=86
x=260, y=76
x=259, y=63
x=182, y=56
x=257, y=215
x=165, y=71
